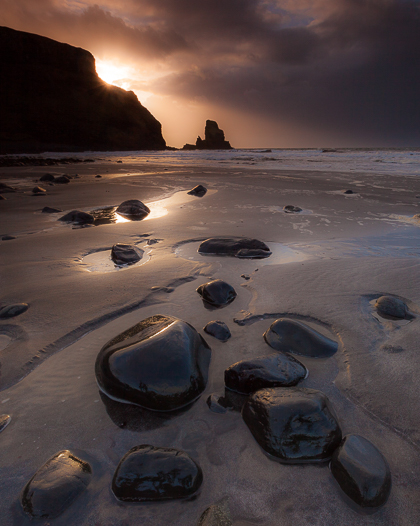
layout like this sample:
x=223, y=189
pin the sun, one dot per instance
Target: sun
x=111, y=72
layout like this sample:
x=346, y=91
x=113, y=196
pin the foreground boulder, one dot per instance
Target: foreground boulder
x=78, y=217
x=390, y=306
x=293, y=336
x=241, y=247
x=55, y=486
x=148, y=473
x=275, y=370
x=61, y=102
x=198, y=190
x=362, y=471
x=218, y=329
x=133, y=209
x=293, y=424
x=10, y=311
x=160, y=364
x=217, y=293
x=122, y=254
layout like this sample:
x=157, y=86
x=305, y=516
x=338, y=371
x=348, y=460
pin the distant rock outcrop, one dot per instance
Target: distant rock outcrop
x=51, y=99
x=214, y=139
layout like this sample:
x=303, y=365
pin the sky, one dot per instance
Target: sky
x=280, y=73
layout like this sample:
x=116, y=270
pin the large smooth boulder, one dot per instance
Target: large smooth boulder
x=361, y=471
x=198, y=190
x=55, y=486
x=10, y=311
x=148, y=473
x=390, y=306
x=275, y=370
x=293, y=424
x=293, y=336
x=122, y=254
x=160, y=364
x=78, y=217
x=218, y=329
x=217, y=293
x=133, y=209
x=234, y=247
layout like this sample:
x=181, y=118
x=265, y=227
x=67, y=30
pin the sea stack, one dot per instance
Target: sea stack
x=214, y=139
x=61, y=102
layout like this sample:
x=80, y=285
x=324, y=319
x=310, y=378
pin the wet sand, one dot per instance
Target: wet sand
x=329, y=262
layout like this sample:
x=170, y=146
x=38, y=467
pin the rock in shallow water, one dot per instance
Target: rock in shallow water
x=160, y=364
x=293, y=424
x=291, y=209
x=122, y=254
x=198, y=190
x=10, y=311
x=218, y=329
x=148, y=473
x=362, y=471
x=217, y=293
x=78, y=217
x=55, y=486
x=275, y=370
x=293, y=336
x=235, y=247
x=133, y=209
x=390, y=306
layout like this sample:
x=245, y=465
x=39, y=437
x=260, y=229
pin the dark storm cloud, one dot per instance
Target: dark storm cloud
x=350, y=67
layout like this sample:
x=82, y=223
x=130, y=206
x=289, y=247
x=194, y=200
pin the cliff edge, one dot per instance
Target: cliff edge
x=51, y=99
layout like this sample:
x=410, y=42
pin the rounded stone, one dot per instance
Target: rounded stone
x=38, y=190
x=217, y=293
x=293, y=336
x=390, y=306
x=48, y=178
x=348, y=192
x=122, y=254
x=275, y=370
x=55, y=486
x=293, y=424
x=160, y=364
x=218, y=329
x=231, y=246
x=133, y=209
x=4, y=421
x=62, y=179
x=291, y=209
x=148, y=473
x=361, y=471
x=78, y=217
x=198, y=191
x=10, y=311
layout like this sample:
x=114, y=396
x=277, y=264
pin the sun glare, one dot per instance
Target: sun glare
x=112, y=73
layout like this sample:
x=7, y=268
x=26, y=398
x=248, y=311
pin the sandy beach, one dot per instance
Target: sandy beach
x=329, y=264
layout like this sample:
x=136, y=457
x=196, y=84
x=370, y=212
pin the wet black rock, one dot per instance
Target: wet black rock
x=133, y=209
x=62, y=179
x=47, y=177
x=215, y=515
x=217, y=293
x=246, y=276
x=361, y=471
x=198, y=190
x=49, y=210
x=55, y=485
x=10, y=311
x=98, y=176
x=148, y=473
x=390, y=306
x=274, y=370
x=122, y=254
x=4, y=421
x=218, y=329
x=291, y=209
x=8, y=238
x=6, y=189
x=293, y=336
x=234, y=247
x=78, y=217
x=38, y=190
x=349, y=192
x=160, y=364
x=293, y=424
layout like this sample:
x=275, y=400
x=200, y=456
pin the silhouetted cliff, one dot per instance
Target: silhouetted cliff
x=51, y=99
x=214, y=139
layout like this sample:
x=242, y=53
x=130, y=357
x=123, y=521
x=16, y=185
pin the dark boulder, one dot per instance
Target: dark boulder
x=49, y=210
x=291, y=209
x=122, y=254
x=198, y=190
x=215, y=515
x=218, y=329
x=4, y=421
x=293, y=424
x=148, y=473
x=160, y=364
x=392, y=307
x=8, y=238
x=55, y=486
x=133, y=209
x=10, y=311
x=348, y=192
x=234, y=247
x=361, y=471
x=217, y=293
x=62, y=179
x=78, y=217
x=47, y=177
x=293, y=336
x=275, y=370
x=39, y=191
